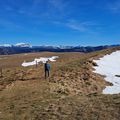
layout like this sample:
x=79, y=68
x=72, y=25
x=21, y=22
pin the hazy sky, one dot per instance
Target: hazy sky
x=60, y=22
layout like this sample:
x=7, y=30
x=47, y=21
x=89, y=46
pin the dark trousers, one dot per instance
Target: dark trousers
x=47, y=73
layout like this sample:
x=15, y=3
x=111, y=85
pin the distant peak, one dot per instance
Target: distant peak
x=6, y=45
x=23, y=45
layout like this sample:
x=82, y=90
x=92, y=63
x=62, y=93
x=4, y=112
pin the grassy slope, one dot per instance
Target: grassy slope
x=73, y=92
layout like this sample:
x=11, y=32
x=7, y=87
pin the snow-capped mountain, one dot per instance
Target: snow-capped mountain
x=27, y=48
x=23, y=45
x=65, y=47
x=6, y=45
x=20, y=45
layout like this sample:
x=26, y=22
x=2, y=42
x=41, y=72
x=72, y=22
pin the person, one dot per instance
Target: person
x=47, y=69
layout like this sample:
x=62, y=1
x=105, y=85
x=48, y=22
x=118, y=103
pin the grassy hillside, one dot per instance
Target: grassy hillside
x=73, y=91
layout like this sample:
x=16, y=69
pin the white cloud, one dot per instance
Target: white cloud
x=10, y=25
x=58, y=4
x=114, y=6
x=77, y=26
x=38, y=8
x=86, y=26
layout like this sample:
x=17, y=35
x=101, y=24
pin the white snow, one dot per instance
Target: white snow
x=22, y=45
x=109, y=66
x=41, y=59
x=6, y=45
x=25, y=54
x=3, y=58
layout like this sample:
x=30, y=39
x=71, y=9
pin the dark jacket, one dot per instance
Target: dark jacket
x=47, y=66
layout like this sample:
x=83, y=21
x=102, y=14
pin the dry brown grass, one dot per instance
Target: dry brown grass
x=72, y=92
x=12, y=69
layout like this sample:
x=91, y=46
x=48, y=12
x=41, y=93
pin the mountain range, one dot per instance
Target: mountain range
x=7, y=49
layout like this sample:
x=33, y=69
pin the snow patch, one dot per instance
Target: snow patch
x=109, y=65
x=41, y=59
x=3, y=58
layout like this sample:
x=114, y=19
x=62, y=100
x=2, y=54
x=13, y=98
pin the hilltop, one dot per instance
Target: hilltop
x=73, y=91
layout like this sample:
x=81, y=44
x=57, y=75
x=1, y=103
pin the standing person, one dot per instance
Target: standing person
x=47, y=69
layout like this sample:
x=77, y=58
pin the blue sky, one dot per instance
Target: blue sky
x=60, y=22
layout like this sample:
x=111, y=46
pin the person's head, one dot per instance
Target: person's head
x=47, y=61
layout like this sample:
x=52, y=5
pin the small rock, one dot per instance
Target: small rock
x=94, y=64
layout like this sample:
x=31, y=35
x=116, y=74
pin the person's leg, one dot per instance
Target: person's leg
x=45, y=74
x=48, y=73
